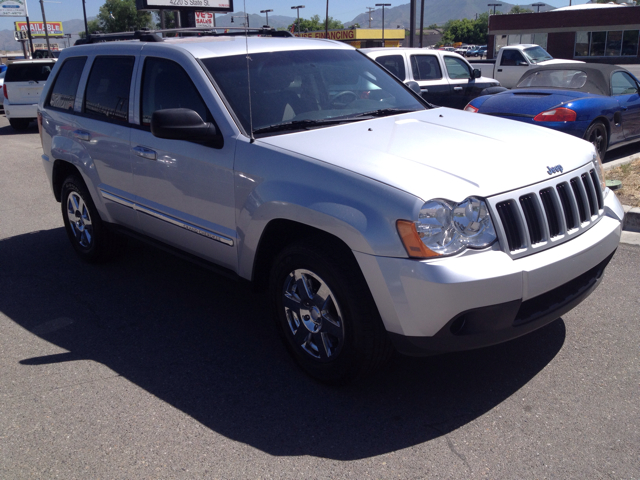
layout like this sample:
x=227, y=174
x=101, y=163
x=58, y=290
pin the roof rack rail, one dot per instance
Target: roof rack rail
x=152, y=35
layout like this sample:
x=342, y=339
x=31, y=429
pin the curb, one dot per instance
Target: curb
x=621, y=161
x=631, y=219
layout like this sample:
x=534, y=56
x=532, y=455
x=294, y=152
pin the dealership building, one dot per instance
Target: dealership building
x=361, y=37
x=603, y=33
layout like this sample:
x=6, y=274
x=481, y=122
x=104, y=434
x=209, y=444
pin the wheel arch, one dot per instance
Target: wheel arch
x=61, y=170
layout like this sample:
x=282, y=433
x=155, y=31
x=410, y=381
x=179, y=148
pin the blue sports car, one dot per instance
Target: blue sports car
x=597, y=102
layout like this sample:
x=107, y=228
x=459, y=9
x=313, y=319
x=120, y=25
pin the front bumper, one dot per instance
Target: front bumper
x=484, y=298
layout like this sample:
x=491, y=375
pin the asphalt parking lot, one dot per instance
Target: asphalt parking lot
x=150, y=367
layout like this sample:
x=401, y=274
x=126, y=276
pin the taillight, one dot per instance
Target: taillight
x=556, y=115
x=40, y=125
x=4, y=89
x=470, y=108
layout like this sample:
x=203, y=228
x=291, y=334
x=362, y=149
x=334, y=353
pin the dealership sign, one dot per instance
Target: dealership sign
x=222, y=6
x=37, y=28
x=204, y=20
x=13, y=8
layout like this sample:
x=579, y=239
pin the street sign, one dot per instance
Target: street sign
x=13, y=8
x=20, y=35
x=222, y=6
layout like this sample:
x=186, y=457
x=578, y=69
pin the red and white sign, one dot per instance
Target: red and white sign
x=37, y=28
x=204, y=20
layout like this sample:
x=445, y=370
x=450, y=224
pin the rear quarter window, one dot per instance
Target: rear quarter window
x=28, y=72
x=63, y=92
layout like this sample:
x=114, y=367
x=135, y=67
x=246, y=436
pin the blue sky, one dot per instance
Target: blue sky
x=342, y=10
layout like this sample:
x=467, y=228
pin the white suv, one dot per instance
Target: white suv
x=23, y=83
x=373, y=220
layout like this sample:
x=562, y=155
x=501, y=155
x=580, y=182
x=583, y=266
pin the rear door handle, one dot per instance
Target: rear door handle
x=145, y=152
x=457, y=89
x=82, y=135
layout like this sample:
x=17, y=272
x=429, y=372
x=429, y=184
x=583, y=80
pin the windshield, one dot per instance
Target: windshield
x=537, y=54
x=308, y=88
x=554, y=79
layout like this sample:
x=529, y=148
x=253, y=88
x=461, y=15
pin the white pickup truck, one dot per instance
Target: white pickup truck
x=513, y=61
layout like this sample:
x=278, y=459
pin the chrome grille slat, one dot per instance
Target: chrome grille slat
x=546, y=214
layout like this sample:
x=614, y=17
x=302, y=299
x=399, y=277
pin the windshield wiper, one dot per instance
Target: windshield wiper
x=304, y=124
x=384, y=112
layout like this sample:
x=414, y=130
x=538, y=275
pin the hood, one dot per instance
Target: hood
x=529, y=101
x=441, y=153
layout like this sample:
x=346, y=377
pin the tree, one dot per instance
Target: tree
x=314, y=24
x=120, y=16
x=465, y=30
x=519, y=9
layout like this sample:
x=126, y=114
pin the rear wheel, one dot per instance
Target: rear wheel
x=326, y=315
x=86, y=231
x=597, y=135
x=19, y=123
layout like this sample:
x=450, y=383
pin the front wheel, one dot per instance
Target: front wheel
x=326, y=315
x=597, y=135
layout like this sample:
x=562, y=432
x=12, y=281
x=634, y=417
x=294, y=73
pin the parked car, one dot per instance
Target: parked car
x=445, y=78
x=373, y=220
x=513, y=62
x=597, y=102
x=23, y=83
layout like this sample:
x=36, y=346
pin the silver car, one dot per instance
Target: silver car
x=374, y=221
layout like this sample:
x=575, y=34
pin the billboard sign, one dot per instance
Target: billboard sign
x=13, y=8
x=222, y=6
x=204, y=20
x=37, y=28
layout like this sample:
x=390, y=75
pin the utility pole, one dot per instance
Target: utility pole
x=383, y=5
x=26, y=11
x=86, y=28
x=326, y=22
x=298, y=9
x=46, y=30
x=412, y=22
x=421, y=22
x=371, y=9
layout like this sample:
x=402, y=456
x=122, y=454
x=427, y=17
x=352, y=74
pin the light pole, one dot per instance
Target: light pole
x=371, y=9
x=46, y=31
x=86, y=27
x=298, y=9
x=538, y=5
x=326, y=22
x=267, y=13
x=494, y=5
x=383, y=5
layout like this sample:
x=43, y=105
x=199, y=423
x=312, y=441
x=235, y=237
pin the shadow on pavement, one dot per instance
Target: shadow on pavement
x=622, y=152
x=206, y=346
x=9, y=130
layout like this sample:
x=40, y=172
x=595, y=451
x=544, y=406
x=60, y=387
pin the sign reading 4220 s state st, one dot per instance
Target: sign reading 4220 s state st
x=13, y=8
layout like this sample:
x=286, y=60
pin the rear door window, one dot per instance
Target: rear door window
x=63, y=92
x=457, y=68
x=29, y=72
x=425, y=67
x=108, y=88
x=393, y=63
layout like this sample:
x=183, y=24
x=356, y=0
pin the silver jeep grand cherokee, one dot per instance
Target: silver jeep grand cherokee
x=374, y=221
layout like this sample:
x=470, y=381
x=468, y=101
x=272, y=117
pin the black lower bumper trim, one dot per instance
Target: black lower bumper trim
x=485, y=326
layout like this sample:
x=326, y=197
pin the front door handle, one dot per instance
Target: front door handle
x=145, y=152
x=82, y=135
x=457, y=89
x=499, y=69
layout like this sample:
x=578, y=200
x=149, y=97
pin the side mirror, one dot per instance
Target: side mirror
x=477, y=73
x=181, y=124
x=414, y=86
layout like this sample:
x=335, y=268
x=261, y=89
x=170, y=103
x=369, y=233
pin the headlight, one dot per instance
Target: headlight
x=446, y=228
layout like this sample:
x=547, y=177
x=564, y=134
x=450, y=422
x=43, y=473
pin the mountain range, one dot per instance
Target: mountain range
x=436, y=12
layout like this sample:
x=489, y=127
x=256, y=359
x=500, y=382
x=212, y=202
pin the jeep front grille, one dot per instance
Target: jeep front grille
x=548, y=213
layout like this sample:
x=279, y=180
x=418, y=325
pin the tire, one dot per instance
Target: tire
x=597, y=135
x=19, y=123
x=87, y=233
x=326, y=314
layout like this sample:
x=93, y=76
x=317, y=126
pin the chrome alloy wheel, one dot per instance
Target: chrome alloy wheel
x=313, y=315
x=79, y=220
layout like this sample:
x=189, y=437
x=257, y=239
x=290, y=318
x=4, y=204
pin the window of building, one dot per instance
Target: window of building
x=614, y=43
x=108, y=88
x=63, y=92
x=519, y=39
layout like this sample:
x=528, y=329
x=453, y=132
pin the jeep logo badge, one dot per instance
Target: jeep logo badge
x=556, y=169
